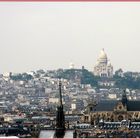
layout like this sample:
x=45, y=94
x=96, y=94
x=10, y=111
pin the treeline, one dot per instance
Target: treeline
x=85, y=76
x=22, y=77
x=128, y=80
x=122, y=80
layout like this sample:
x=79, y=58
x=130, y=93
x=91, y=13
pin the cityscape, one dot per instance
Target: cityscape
x=71, y=103
x=69, y=70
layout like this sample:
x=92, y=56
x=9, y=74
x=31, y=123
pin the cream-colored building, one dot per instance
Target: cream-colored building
x=103, y=67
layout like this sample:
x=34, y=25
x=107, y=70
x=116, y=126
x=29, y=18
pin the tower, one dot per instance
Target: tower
x=60, y=118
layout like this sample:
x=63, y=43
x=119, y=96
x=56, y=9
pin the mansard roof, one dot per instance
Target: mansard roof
x=133, y=105
x=109, y=105
x=105, y=105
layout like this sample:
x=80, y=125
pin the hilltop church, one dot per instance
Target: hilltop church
x=103, y=67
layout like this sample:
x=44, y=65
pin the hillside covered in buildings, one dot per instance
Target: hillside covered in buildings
x=34, y=95
x=119, y=80
x=102, y=76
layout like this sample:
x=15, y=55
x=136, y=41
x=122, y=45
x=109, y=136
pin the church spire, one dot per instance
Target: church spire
x=60, y=94
x=60, y=118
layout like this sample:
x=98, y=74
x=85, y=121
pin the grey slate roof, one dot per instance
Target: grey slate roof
x=108, y=105
x=133, y=105
x=105, y=105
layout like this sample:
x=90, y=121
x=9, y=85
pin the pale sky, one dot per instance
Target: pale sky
x=51, y=35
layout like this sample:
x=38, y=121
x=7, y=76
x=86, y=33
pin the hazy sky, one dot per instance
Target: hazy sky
x=51, y=35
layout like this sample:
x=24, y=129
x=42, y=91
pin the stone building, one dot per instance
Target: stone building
x=112, y=111
x=103, y=67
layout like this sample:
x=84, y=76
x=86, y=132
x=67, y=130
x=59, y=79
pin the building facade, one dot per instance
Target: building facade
x=103, y=67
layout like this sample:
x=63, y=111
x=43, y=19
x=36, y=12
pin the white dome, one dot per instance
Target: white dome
x=71, y=65
x=102, y=57
x=102, y=54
